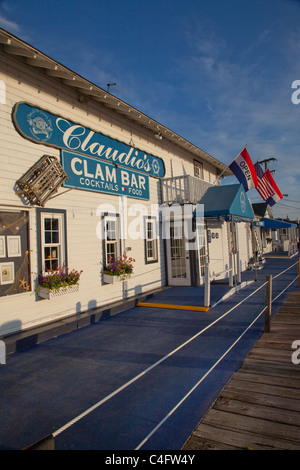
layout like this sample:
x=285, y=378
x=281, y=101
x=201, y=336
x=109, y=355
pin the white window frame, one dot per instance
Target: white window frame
x=152, y=240
x=198, y=169
x=59, y=245
x=114, y=219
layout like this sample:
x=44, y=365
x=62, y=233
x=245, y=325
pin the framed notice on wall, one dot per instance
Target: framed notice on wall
x=7, y=273
x=2, y=247
x=13, y=246
x=14, y=252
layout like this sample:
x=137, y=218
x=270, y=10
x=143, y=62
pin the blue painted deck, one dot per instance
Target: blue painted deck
x=44, y=387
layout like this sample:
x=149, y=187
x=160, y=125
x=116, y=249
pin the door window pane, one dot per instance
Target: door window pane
x=178, y=255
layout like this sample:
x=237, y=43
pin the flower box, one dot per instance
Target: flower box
x=57, y=282
x=120, y=268
x=52, y=294
x=108, y=279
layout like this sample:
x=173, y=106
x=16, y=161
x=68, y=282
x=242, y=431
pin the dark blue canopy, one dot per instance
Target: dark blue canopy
x=226, y=201
x=273, y=223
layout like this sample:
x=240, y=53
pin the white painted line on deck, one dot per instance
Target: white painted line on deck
x=144, y=372
x=197, y=384
x=209, y=371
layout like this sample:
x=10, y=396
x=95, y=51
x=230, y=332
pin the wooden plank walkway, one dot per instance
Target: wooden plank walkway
x=259, y=408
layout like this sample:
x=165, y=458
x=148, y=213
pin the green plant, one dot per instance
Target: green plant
x=121, y=266
x=60, y=277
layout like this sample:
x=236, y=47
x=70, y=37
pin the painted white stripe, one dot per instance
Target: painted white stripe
x=144, y=372
x=197, y=384
x=209, y=371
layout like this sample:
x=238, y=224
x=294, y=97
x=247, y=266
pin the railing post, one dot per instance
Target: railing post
x=268, y=303
x=2, y=352
x=230, y=270
x=298, y=271
x=207, y=285
x=238, y=268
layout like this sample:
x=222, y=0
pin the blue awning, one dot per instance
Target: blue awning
x=227, y=202
x=273, y=223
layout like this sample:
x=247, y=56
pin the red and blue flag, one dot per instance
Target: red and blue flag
x=243, y=168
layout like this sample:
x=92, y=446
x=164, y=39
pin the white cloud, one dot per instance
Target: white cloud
x=248, y=100
x=217, y=93
x=9, y=25
x=6, y=13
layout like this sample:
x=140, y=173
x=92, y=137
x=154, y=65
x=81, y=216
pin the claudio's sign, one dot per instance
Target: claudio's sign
x=93, y=175
x=46, y=128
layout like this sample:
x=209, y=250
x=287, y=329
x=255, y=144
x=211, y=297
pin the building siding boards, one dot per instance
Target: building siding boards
x=85, y=250
x=24, y=83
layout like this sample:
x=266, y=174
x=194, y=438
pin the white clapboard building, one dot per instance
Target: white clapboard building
x=86, y=178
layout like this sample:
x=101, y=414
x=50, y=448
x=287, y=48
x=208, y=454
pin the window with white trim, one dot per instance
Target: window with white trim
x=111, y=241
x=198, y=169
x=53, y=250
x=151, y=254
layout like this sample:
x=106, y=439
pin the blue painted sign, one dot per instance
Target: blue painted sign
x=93, y=175
x=43, y=127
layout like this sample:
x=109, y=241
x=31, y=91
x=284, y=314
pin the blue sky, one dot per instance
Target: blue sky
x=219, y=73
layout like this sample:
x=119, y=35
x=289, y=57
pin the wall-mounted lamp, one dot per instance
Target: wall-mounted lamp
x=109, y=85
x=158, y=136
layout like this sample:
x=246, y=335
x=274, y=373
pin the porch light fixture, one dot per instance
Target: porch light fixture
x=131, y=143
x=109, y=85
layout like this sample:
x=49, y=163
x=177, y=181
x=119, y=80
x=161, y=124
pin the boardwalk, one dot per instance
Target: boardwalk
x=141, y=379
x=259, y=408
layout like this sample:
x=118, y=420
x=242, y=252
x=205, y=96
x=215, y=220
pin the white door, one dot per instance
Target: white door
x=179, y=273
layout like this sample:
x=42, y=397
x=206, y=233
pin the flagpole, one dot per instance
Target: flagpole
x=218, y=177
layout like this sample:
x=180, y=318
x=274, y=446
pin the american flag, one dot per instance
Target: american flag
x=264, y=187
x=276, y=196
